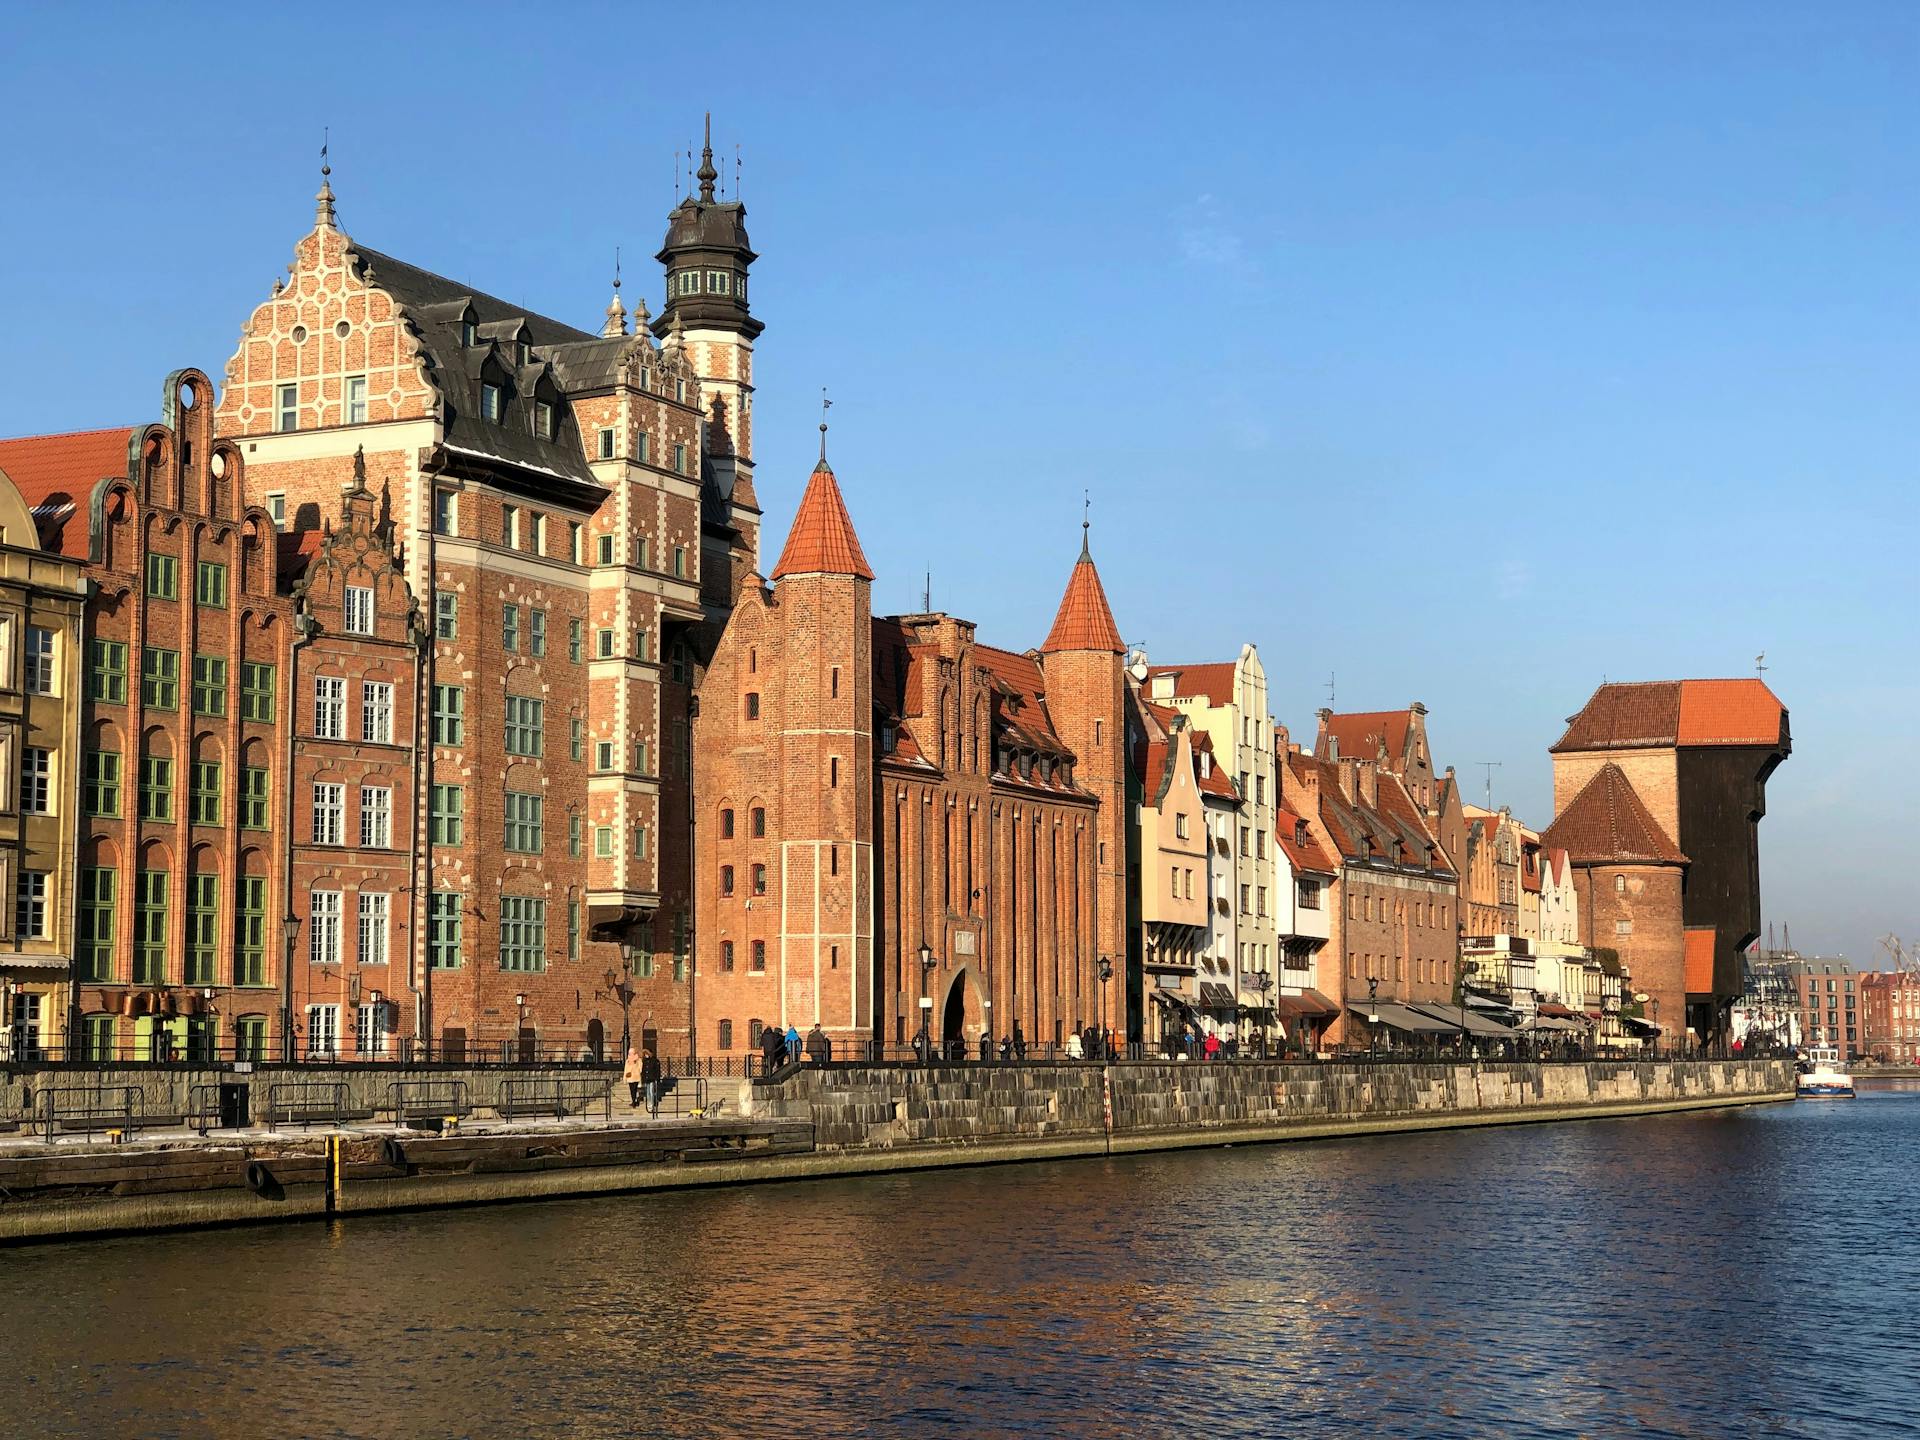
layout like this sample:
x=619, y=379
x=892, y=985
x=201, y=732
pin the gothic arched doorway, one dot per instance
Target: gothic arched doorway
x=953, y=1019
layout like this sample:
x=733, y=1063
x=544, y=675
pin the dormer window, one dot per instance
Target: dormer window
x=543, y=419
x=492, y=401
x=1299, y=832
x=469, y=332
x=523, y=351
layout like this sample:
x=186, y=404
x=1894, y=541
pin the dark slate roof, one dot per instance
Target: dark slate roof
x=587, y=366
x=435, y=304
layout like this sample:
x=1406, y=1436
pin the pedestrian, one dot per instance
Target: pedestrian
x=819, y=1047
x=1075, y=1050
x=771, y=1044
x=650, y=1081
x=1006, y=1049
x=986, y=1045
x=793, y=1044
x=1110, y=1052
x=1019, y=1042
x=1211, y=1050
x=923, y=1045
x=631, y=1074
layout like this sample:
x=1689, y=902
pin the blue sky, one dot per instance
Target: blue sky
x=1470, y=353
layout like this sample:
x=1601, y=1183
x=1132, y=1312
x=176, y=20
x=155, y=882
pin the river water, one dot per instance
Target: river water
x=1750, y=1272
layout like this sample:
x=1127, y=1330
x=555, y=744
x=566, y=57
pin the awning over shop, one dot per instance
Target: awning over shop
x=1455, y=1019
x=1556, y=1024
x=1557, y=1011
x=1307, y=1002
x=1216, y=997
x=1402, y=1018
x=1639, y=1026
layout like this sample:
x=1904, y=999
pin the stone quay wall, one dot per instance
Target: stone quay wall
x=1153, y=1105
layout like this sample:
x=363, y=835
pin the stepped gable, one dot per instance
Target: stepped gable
x=1651, y=714
x=1085, y=620
x=822, y=540
x=1608, y=821
x=56, y=476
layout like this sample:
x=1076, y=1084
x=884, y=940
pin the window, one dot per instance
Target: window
x=490, y=398
x=443, y=516
x=257, y=684
x=376, y=712
x=97, y=939
x=606, y=444
x=287, y=410
x=1310, y=895
x=150, y=927
x=37, y=674
x=726, y=955
x=536, y=632
x=1619, y=884
x=543, y=419
x=356, y=400
x=107, y=671
x=680, y=561
x=758, y=821
x=373, y=928
x=254, y=813
x=1260, y=844
x=446, y=614
x=1623, y=927
x=523, y=822
x=603, y=755
x=203, y=928
x=680, y=459
x=210, y=584
x=576, y=638
x=726, y=880
x=36, y=781
x=603, y=842
x=376, y=817
x=329, y=812
x=510, y=628
x=523, y=933
x=526, y=725
x=1262, y=901
x=639, y=842
x=100, y=783
x=163, y=577
x=726, y=824
x=277, y=507
x=250, y=932
x=30, y=905
x=203, y=795
x=156, y=788
x=359, y=610
x=757, y=956
x=643, y=451
x=606, y=644
x=604, y=549
x=449, y=714
x=209, y=685
x=443, y=930
x=1180, y=827
x=575, y=826
x=160, y=679
x=323, y=927
x=1245, y=841
x=329, y=707
x=759, y=879
x=370, y=1029
x=323, y=1029
x=753, y=705
x=833, y=772
x=447, y=806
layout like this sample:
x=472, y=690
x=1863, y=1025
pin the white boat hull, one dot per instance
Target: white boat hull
x=1826, y=1087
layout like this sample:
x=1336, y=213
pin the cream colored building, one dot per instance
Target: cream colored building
x=42, y=602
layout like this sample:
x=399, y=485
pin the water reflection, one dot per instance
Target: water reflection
x=1738, y=1273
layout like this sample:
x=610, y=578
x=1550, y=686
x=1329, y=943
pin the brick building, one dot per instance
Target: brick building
x=900, y=825
x=1890, y=1016
x=1696, y=754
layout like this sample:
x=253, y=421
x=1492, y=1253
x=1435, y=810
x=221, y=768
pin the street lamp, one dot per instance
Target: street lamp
x=1106, y=974
x=1467, y=967
x=290, y=932
x=1263, y=982
x=926, y=1001
x=1373, y=1012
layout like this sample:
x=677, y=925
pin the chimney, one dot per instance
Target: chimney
x=1348, y=770
x=1369, y=784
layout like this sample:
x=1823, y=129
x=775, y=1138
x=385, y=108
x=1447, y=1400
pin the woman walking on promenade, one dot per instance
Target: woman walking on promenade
x=635, y=1069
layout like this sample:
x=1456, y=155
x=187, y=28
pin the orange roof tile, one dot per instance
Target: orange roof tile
x=1701, y=943
x=1654, y=713
x=1212, y=682
x=1310, y=855
x=822, y=541
x=1360, y=736
x=55, y=475
x=1085, y=621
x=1608, y=820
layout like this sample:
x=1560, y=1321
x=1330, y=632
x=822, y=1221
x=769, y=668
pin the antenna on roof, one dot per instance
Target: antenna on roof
x=926, y=598
x=1489, y=766
x=1330, y=690
x=736, y=172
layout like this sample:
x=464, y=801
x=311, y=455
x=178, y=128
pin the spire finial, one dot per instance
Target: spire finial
x=616, y=310
x=1086, y=523
x=825, y=405
x=323, y=202
x=707, y=173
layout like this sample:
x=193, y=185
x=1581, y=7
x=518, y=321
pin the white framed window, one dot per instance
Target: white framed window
x=356, y=400
x=277, y=507
x=359, y=610
x=374, y=908
x=329, y=707
x=287, y=410
x=490, y=398
x=523, y=933
x=376, y=817
x=446, y=614
x=606, y=444
x=376, y=712
x=323, y=1029
x=370, y=1029
x=603, y=841
x=30, y=906
x=37, y=675
x=443, y=512
x=36, y=781
x=543, y=419
x=603, y=755
x=329, y=812
x=510, y=526
x=323, y=927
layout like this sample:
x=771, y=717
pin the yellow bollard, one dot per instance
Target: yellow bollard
x=334, y=1152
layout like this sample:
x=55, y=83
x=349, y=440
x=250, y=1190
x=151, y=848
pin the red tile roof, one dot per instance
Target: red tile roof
x=1608, y=821
x=1701, y=942
x=1311, y=855
x=822, y=541
x=1211, y=682
x=1212, y=779
x=1361, y=735
x=1085, y=620
x=55, y=475
x=1655, y=713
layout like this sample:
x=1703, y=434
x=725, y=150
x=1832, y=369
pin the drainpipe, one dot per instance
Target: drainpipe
x=302, y=632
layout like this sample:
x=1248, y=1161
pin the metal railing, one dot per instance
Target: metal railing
x=425, y=1100
x=92, y=1110
x=524, y=1096
x=203, y=1107
x=306, y=1101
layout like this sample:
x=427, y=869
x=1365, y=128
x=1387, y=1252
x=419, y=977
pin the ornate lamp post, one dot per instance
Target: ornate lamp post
x=1373, y=1013
x=289, y=932
x=1263, y=982
x=1106, y=974
x=926, y=1000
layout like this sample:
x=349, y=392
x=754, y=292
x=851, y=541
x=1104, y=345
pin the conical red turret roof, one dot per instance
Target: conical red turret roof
x=1085, y=621
x=822, y=541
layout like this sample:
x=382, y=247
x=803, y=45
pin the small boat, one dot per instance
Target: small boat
x=1823, y=1077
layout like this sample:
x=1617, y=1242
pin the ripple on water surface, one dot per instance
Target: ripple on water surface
x=1750, y=1272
